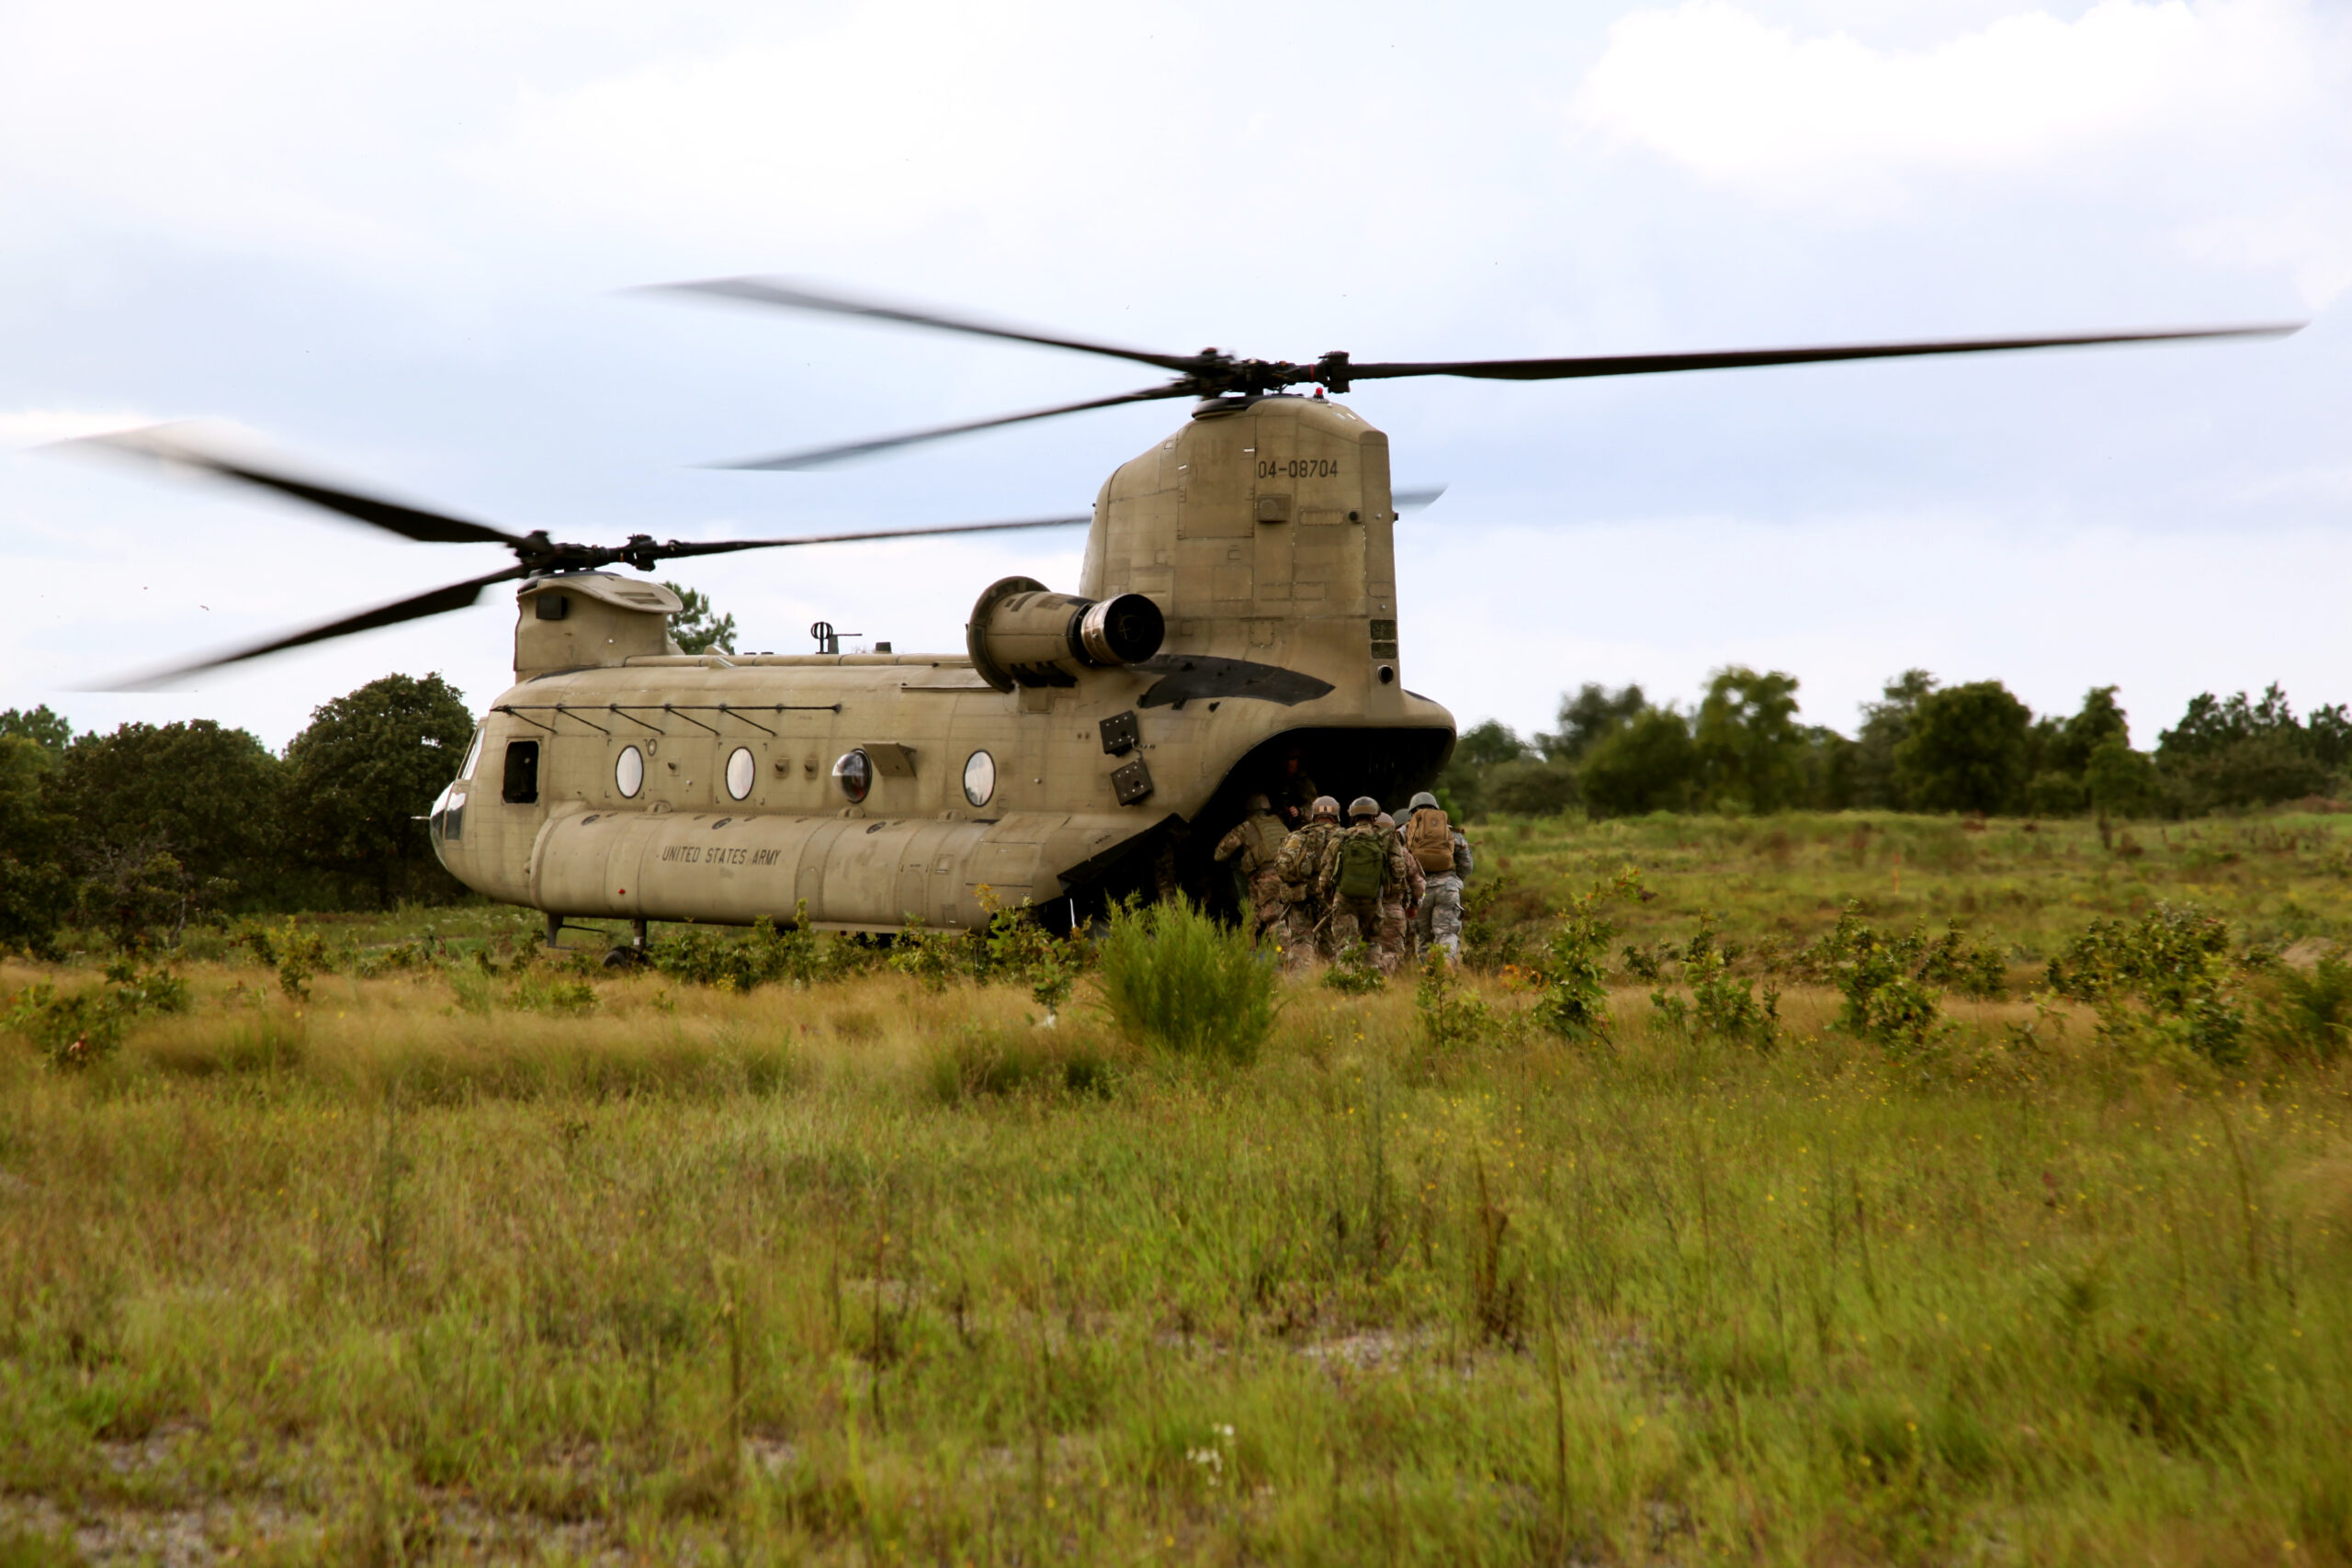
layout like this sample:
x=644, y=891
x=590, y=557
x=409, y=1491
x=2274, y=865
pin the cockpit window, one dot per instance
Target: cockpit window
x=473, y=753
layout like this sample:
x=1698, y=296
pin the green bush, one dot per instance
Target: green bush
x=1352, y=973
x=1454, y=1018
x=1720, y=1006
x=700, y=955
x=1573, y=1001
x=1881, y=977
x=2170, y=969
x=75, y=1029
x=1176, y=980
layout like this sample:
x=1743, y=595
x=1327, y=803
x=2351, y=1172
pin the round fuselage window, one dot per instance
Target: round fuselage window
x=743, y=772
x=854, y=774
x=629, y=772
x=979, y=778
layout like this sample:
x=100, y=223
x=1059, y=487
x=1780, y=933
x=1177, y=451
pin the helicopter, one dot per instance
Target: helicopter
x=1235, y=630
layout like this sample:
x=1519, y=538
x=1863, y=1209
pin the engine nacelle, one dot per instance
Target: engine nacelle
x=1022, y=633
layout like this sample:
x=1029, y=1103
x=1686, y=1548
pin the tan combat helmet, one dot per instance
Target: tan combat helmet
x=1258, y=803
x=1424, y=801
x=1327, y=807
x=1362, y=808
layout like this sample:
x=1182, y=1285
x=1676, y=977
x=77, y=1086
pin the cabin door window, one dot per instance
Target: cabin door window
x=521, y=780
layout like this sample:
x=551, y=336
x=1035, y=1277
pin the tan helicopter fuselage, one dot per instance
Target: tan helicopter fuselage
x=619, y=778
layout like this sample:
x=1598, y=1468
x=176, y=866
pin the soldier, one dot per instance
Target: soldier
x=1363, y=869
x=1296, y=792
x=1252, y=847
x=1296, y=865
x=1442, y=852
x=1396, y=910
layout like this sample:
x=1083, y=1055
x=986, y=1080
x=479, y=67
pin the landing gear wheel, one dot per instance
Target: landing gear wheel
x=625, y=958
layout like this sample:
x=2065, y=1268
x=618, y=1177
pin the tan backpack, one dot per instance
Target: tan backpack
x=1429, y=837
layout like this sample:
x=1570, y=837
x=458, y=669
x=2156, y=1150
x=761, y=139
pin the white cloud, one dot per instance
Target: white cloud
x=1724, y=92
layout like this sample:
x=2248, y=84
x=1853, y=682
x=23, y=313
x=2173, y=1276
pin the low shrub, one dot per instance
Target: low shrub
x=75, y=1029
x=1174, y=979
x=1454, y=1018
x=1886, y=999
x=1574, y=1000
x=700, y=955
x=1353, y=973
x=2167, y=975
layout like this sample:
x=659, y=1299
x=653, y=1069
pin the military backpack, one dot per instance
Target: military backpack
x=1364, y=864
x=1429, y=837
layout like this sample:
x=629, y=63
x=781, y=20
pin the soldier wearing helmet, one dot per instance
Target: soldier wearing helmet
x=1304, y=927
x=1442, y=852
x=1251, y=849
x=1363, y=869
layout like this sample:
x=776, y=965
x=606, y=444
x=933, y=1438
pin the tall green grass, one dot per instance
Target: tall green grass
x=1173, y=978
x=872, y=1271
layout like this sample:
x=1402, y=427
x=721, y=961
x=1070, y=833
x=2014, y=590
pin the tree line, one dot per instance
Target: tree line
x=1924, y=746
x=141, y=831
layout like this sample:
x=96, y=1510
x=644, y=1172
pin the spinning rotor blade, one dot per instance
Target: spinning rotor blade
x=818, y=456
x=776, y=291
x=677, y=549
x=440, y=601
x=158, y=443
x=1731, y=359
x=1414, y=500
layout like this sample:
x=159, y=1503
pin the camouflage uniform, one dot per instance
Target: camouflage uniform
x=1258, y=840
x=1396, y=907
x=1362, y=919
x=1439, y=924
x=1301, y=858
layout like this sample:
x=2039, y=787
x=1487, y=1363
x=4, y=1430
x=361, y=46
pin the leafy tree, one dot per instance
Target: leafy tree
x=2237, y=752
x=1478, y=752
x=2120, y=781
x=1650, y=764
x=1532, y=788
x=368, y=765
x=1831, y=769
x=1484, y=745
x=1589, y=717
x=2060, y=749
x=695, y=628
x=1967, y=750
x=209, y=798
x=35, y=890
x=1750, y=748
x=46, y=729
x=1885, y=725
x=2099, y=720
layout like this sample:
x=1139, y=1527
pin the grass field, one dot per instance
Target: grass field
x=456, y=1266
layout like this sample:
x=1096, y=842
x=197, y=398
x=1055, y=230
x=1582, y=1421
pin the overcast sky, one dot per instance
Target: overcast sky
x=388, y=242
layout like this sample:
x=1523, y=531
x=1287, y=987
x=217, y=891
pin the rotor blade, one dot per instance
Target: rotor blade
x=427, y=527
x=818, y=456
x=1649, y=363
x=676, y=548
x=1414, y=500
x=439, y=602
x=778, y=291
